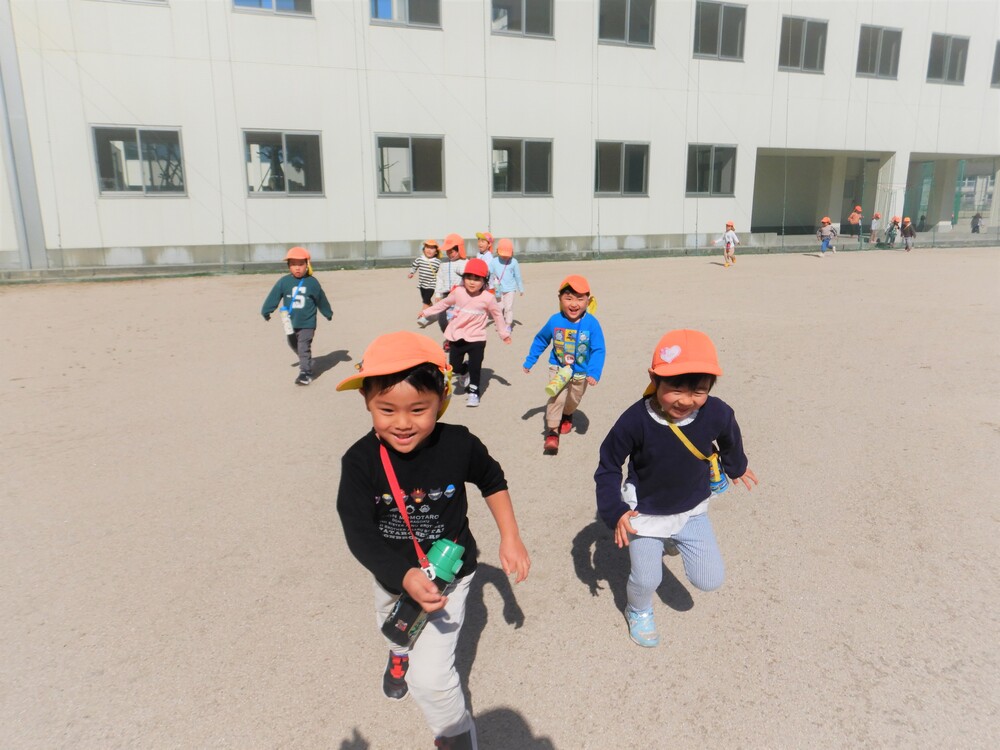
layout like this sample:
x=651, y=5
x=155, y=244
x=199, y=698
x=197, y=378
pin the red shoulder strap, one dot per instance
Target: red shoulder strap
x=397, y=493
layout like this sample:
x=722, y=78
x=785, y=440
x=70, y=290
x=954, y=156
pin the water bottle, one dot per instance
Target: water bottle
x=559, y=381
x=407, y=619
x=718, y=482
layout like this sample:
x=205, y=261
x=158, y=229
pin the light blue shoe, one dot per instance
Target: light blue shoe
x=642, y=627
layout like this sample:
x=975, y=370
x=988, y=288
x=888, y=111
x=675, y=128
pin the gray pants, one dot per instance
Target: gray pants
x=301, y=342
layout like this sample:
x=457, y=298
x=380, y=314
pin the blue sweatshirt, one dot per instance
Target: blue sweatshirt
x=668, y=478
x=579, y=344
x=308, y=299
x=506, y=277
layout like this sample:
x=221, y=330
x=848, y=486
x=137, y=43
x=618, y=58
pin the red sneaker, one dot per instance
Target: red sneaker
x=565, y=424
x=551, y=446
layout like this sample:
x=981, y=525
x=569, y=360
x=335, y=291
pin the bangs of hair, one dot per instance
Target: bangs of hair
x=426, y=378
x=690, y=380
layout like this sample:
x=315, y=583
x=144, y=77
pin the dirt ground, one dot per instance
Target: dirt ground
x=174, y=574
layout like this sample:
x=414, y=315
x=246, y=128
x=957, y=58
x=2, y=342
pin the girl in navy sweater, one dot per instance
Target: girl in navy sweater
x=670, y=437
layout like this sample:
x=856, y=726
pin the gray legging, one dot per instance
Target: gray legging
x=301, y=342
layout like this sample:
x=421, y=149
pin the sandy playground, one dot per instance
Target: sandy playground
x=175, y=576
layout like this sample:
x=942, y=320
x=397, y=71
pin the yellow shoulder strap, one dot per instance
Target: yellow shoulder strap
x=688, y=443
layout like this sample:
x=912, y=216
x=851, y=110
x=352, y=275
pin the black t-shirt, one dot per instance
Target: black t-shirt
x=432, y=479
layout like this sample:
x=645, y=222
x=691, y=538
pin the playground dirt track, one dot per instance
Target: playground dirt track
x=174, y=574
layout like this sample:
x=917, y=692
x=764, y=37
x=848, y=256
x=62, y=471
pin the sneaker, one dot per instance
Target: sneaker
x=726, y=265
x=303, y=379
x=458, y=742
x=551, y=445
x=642, y=627
x=446, y=346
x=565, y=424
x=463, y=381
x=833, y=248
x=670, y=548
x=394, y=679
x=472, y=399
x=423, y=322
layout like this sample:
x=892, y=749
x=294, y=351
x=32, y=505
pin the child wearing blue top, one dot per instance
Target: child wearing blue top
x=669, y=439
x=300, y=296
x=505, y=279
x=577, y=357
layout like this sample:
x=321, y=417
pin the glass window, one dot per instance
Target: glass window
x=522, y=167
x=711, y=170
x=277, y=6
x=803, y=44
x=719, y=30
x=878, y=52
x=946, y=63
x=995, y=80
x=621, y=168
x=283, y=163
x=410, y=164
x=528, y=17
x=628, y=21
x=135, y=160
x=408, y=12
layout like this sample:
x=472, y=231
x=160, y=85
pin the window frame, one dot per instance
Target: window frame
x=711, y=170
x=237, y=6
x=995, y=78
x=949, y=40
x=803, y=44
x=523, y=192
x=625, y=40
x=524, y=20
x=411, y=193
x=879, y=52
x=718, y=55
x=286, y=191
x=402, y=18
x=622, y=168
x=143, y=190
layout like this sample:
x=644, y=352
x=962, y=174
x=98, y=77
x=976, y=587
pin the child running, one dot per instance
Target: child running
x=411, y=461
x=729, y=242
x=576, y=360
x=300, y=296
x=426, y=268
x=449, y=276
x=669, y=438
x=467, y=330
x=908, y=233
x=505, y=279
x=826, y=233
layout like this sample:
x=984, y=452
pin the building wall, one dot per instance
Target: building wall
x=212, y=71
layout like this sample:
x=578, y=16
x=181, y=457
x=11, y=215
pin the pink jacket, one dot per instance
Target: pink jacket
x=469, y=321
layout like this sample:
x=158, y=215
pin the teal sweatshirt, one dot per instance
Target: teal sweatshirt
x=307, y=300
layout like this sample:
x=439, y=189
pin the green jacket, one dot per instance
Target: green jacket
x=307, y=300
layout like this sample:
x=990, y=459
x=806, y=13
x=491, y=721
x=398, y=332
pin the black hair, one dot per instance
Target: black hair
x=426, y=378
x=689, y=380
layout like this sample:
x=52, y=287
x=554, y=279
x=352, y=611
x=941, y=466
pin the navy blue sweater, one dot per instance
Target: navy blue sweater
x=668, y=478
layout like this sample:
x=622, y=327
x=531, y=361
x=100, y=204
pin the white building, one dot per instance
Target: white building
x=220, y=132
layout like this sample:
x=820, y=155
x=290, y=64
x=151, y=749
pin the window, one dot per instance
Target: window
x=134, y=160
x=711, y=170
x=528, y=17
x=408, y=12
x=283, y=163
x=621, y=168
x=947, y=59
x=408, y=165
x=719, y=30
x=277, y=6
x=522, y=167
x=803, y=44
x=995, y=81
x=878, y=52
x=628, y=21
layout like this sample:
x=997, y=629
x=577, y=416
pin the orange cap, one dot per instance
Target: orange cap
x=396, y=352
x=730, y=224
x=825, y=220
x=477, y=267
x=684, y=351
x=505, y=248
x=430, y=243
x=485, y=236
x=577, y=283
x=297, y=253
x=454, y=240
x=906, y=220
x=857, y=208
x=895, y=218
x=878, y=215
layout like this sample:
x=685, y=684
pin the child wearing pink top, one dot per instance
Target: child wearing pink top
x=467, y=330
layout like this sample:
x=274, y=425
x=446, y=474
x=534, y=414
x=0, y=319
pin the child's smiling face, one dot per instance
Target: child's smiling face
x=297, y=267
x=573, y=304
x=404, y=417
x=676, y=403
x=430, y=251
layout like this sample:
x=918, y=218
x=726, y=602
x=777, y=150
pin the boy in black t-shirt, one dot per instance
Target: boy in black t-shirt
x=406, y=383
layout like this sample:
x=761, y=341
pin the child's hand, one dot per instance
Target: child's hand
x=747, y=478
x=624, y=528
x=514, y=558
x=423, y=590
x=506, y=340
x=267, y=316
x=526, y=370
x=591, y=380
x=409, y=275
